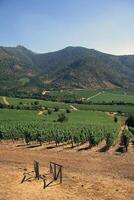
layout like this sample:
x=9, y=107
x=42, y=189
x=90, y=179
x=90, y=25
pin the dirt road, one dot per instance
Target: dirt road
x=5, y=101
x=99, y=93
x=74, y=108
x=86, y=174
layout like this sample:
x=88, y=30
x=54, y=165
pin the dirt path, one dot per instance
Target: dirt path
x=99, y=93
x=41, y=112
x=118, y=140
x=86, y=175
x=74, y=108
x=5, y=101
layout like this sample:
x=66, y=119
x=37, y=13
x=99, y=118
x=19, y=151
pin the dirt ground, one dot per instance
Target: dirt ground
x=87, y=175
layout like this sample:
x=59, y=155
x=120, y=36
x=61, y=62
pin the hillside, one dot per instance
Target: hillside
x=73, y=67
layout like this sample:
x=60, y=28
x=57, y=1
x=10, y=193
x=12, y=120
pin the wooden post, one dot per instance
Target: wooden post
x=51, y=168
x=55, y=177
x=44, y=186
x=36, y=169
x=23, y=179
x=60, y=174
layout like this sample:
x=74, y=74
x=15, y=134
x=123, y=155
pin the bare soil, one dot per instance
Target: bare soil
x=87, y=175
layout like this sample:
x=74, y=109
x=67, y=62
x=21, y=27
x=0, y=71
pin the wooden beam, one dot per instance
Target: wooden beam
x=56, y=164
x=36, y=169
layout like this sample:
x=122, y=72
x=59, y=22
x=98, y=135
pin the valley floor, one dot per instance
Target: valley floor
x=87, y=175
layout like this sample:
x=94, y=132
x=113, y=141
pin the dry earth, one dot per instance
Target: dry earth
x=87, y=175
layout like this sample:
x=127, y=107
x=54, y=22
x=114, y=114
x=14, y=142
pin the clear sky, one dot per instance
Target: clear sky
x=49, y=25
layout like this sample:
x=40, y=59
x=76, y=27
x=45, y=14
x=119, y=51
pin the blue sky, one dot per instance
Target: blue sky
x=49, y=25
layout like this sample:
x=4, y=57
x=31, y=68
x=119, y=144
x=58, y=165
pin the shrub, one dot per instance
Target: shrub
x=11, y=106
x=18, y=107
x=56, y=109
x=62, y=117
x=27, y=137
x=1, y=105
x=46, y=108
x=49, y=111
x=68, y=110
x=36, y=103
x=126, y=139
x=27, y=107
x=39, y=138
x=91, y=138
x=109, y=140
x=1, y=136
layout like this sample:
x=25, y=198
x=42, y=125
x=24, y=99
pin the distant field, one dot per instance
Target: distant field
x=99, y=96
x=106, y=108
x=121, y=91
x=81, y=93
x=52, y=104
x=78, y=93
x=109, y=97
x=77, y=117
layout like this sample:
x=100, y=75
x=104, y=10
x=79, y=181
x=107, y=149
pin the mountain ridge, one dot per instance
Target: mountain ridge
x=67, y=47
x=72, y=67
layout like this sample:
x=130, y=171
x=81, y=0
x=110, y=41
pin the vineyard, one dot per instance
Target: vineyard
x=106, y=108
x=30, y=102
x=34, y=104
x=37, y=120
x=116, y=95
x=81, y=127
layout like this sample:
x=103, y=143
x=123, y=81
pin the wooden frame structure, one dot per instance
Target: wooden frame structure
x=56, y=171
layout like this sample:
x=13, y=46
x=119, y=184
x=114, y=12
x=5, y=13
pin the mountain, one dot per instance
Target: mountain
x=72, y=67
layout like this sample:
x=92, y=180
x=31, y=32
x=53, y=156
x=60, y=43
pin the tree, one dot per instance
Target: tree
x=62, y=117
x=115, y=119
x=130, y=121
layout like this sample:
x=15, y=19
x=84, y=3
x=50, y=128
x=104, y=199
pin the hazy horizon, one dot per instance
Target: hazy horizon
x=47, y=26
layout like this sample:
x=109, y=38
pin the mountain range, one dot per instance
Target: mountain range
x=72, y=67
